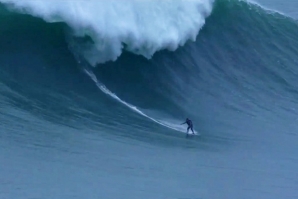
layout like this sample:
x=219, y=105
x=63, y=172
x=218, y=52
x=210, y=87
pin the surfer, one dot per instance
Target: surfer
x=190, y=126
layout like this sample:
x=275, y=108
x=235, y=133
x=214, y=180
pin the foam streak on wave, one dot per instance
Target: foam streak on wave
x=139, y=26
x=104, y=89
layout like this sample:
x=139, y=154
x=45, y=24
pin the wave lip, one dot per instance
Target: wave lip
x=140, y=26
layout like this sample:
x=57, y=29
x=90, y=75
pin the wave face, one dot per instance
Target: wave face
x=243, y=58
x=141, y=27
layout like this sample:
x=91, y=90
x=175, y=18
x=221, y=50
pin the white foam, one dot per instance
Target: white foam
x=174, y=126
x=144, y=26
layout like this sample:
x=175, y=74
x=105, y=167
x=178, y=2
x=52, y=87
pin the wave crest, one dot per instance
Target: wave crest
x=140, y=26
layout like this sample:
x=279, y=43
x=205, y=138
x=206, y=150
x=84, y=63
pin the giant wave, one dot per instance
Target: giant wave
x=237, y=82
x=238, y=60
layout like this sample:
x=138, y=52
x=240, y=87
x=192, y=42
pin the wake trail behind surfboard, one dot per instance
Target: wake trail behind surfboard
x=105, y=90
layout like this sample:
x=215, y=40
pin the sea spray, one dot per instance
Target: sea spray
x=142, y=27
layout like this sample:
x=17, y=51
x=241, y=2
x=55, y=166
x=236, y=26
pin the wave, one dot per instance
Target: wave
x=242, y=64
x=141, y=27
x=172, y=125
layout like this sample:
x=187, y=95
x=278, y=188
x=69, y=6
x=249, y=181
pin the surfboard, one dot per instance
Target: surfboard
x=191, y=134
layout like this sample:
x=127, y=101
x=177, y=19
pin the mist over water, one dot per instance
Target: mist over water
x=141, y=27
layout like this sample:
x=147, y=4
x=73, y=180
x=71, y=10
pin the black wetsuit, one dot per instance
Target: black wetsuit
x=190, y=126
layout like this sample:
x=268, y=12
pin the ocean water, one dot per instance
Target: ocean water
x=93, y=94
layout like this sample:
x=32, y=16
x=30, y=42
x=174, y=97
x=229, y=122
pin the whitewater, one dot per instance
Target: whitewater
x=139, y=26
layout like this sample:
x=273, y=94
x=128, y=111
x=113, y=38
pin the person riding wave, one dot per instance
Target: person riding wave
x=190, y=125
